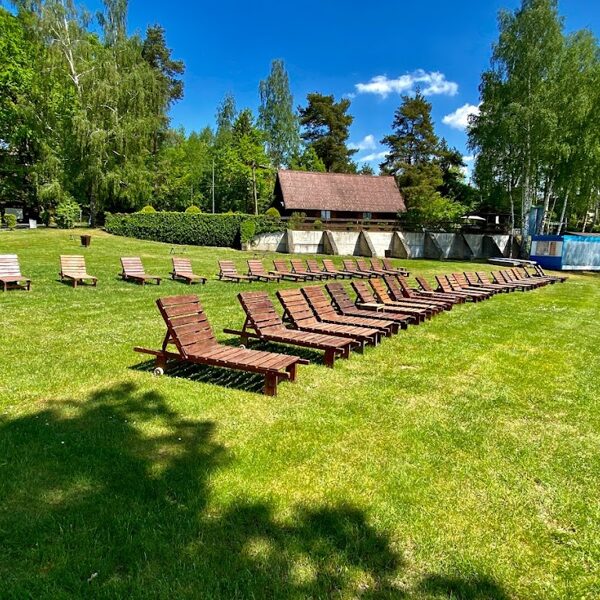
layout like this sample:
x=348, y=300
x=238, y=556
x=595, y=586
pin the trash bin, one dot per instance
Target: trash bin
x=86, y=240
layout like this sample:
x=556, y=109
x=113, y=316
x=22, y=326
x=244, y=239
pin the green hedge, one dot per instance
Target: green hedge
x=225, y=230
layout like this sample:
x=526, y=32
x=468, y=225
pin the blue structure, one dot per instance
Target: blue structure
x=569, y=252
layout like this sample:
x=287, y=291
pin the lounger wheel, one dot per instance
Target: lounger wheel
x=158, y=371
x=242, y=346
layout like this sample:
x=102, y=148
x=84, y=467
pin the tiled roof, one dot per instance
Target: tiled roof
x=303, y=190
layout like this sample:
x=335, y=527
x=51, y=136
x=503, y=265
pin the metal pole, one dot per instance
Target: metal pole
x=213, y=186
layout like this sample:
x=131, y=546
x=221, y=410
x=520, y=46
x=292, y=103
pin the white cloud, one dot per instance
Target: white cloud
x=367, y=143
x=432, y=83
x=374, y=156
x=459, y=119
x=468, y=159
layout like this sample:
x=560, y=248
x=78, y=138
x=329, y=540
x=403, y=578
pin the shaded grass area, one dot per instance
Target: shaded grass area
x=457, y=460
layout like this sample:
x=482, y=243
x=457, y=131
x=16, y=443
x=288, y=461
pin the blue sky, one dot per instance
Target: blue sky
x=333, y=46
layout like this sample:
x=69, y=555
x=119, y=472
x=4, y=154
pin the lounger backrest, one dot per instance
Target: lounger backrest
x=182, y=265
x=539, y=270
x=454, y=283
x=9, y=265
x=402, y=285
x=471, y=278
x=228, y=268
x=499, y=277
x=375, y=264
x=132, y=265
x=296, y=307
x=255, y=267
x=260, y=311
x=393, y=287
x=387, y=264
x=74, y=265
x=423, y=283
x=365, y=295
x=313, y=265
x=460, y=279
x=339, y=295
x=380, y=292
x=520, y=273
x=508, y=276
x=319, y=302
x=444, y=283
x=281, y=266
x=187, y=324
x=362, y=264
x=329, y=266
x=483, y=277
x=298, y=265
x=349, y=265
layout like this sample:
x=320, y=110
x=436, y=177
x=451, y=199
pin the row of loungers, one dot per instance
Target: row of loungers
x=329, y=322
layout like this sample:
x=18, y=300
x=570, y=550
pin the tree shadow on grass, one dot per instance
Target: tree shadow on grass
x=110, y=497
x=462, y=588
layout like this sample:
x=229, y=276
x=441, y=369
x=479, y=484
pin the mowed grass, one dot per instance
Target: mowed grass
x=460, y=459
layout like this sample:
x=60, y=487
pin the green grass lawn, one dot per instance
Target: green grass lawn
x=460, y=459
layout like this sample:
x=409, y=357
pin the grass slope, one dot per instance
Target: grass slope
x=457, y=460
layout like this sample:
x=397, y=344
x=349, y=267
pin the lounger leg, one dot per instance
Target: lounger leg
x=161, y=362
x=292, y=370
x=329, y=358
x=271, y=384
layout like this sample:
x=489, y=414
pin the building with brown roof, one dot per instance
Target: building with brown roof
x=338, y=195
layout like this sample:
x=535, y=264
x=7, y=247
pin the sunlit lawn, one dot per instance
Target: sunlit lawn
x=460, y=459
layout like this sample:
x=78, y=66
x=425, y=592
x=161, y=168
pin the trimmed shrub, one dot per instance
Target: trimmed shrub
x=67, y=213
x=10, y=220
x=273, y=213
x=193, y=210
x=296, y=220
x=148, y=210
x=318, y=225
x=202, y=229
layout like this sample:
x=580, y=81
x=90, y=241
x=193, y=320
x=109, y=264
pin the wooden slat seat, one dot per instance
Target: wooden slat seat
x=503, y=275
x=330, y=268
x=345, y=306
x=400, y=291
x=519, y=275
x=299, y=268
x=365, y=267
x=263, y=322
x=10, y=273
x=182, y=270
x=447, y=287
x=439, y=292
x=427, y=295
x=301, y=316
x=190, y=332
x=283, y=270
x=228, y=272
x=72, y=268
x=388, y=266
x=350, y=267
x=326, y=313
x=366, y=299
x=459, y=281
x=133, y=270
x=486, y=281
x=474, y=281
x=313, y=267
x=257, y=271
x=383, y=296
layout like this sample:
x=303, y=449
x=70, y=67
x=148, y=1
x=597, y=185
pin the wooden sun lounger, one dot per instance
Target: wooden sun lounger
x=133, y=270
x=72, y=268
x=299, y=268
x=342, y=301
x=365, y=298
x=10, y=273
x=400, y=291
x=350, y=267
x=363, y=267
x=428, y=296
x=301, y=316
x=313, y=267
x=283, y=271
x=388, y=266
x=182, y=270
x=474, y=281
x=257, y=271
x=540, y=273
x=508, y=277
x=330, y=268
x=228, y=272
x=460, y=281
x=264, y=323
x=522, y=275
x=485, y=280
x=446, y=286
x=189, y=330
x=326, y=313
x=382, y=295
x=438, y=293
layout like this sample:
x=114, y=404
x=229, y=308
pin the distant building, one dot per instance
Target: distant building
x=569, y=252
x=338, y=195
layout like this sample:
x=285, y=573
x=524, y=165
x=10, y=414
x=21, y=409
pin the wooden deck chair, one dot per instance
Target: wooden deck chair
x=388, y=266
x=342, y=301
x=313, y=267
x=330, y=268
x=10, y=273
x=189, y=330
x=399, y=290
x=539, y=272
x=298, y=312
x=474, y=281
x=510, y=278
x=365, y=298
x=382, y=295
x=299, y=268
x=499, y=279
x=257, y=271
x=350, y=267
x=282, y=269
x=520, y=275
x=365, y=267
x=485, y=280
x=228, y=272
x=182, y=270
x=446, y=287
x=264, y=323
x=133, y=270
x=425, y=288
x=72, y=268
x=459, y=280
x=326, y=313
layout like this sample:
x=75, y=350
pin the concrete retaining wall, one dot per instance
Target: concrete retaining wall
x=268, y=242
